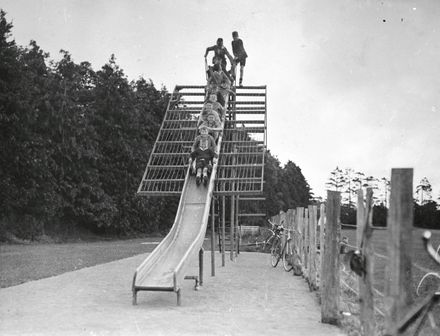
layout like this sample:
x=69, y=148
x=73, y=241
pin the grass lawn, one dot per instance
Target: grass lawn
x=22, y=263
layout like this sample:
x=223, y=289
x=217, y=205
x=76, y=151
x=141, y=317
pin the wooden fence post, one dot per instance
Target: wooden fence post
x=360, y=217
x=330, y=290
x=364, y=234
x=300, y=221
x=306, y=244
x=282, y=221
x=295, y=231
x=321, y=221
x=399, y=222
x=289, y=217
x=312, y=251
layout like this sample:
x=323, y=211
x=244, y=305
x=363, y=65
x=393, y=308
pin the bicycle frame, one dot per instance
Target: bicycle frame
x=273, y=234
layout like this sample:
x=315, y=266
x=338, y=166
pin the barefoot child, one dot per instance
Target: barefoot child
x=240, y=54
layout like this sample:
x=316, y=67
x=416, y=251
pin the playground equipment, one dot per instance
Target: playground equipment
x=239, y=171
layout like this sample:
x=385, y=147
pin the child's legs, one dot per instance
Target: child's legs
x=201, y=164
x=220, y=99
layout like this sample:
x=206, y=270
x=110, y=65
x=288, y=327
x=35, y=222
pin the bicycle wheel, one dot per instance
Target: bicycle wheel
x=296, y=264
x=275, y=253
x=267, y=242
x=287, y=257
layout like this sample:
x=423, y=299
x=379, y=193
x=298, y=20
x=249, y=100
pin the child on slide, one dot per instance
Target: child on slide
x=203, y=153
x=207, y=109
x=216, y=106
x=212, y=123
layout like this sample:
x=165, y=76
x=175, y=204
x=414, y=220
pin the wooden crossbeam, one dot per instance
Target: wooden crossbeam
x=252, y=102
x=254, y=121
x=252, y=215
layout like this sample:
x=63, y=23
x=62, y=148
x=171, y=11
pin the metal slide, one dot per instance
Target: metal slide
x=164, y=269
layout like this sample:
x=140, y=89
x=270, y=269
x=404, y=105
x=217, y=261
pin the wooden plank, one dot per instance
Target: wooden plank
x=321, y=221
x=360, y=217
x=330, y=290
x=295, y=231
x=313, y=210
x=306, y=244
x=254, y=87
x=299, y=221
x=282, y=219
x=399, y=223
x=252, y=215
x=366, y=298
x=250, y=121
x=244, y=199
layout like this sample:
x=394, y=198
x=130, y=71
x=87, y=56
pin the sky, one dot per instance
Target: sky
x=350, y=83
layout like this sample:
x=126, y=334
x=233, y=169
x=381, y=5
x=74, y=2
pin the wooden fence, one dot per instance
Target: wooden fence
x=316, y=239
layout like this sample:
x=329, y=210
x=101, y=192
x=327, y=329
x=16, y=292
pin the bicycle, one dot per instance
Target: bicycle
x=269, y=239
x=276, y=252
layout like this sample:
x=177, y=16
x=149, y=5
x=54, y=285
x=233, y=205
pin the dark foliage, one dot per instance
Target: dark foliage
x=348, y=214
x=427, y=215
x=74, y=145
x=285, y=188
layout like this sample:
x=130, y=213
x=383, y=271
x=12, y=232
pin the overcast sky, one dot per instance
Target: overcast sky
x=351, y=83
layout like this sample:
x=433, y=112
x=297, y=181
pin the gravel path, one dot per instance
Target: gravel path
x=247, y=297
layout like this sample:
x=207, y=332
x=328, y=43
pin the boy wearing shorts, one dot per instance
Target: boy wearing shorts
x=240, y=54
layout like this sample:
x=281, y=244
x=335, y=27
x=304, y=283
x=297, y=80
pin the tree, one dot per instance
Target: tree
x=336, y=180
x=74, y=144
x=427, y=215
x=424, y=191
x=296, y=191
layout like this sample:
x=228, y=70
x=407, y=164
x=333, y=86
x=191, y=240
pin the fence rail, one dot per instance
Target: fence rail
x=330, y=263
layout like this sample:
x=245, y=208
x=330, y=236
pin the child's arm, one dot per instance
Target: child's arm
x=208, y=50
x=215, y=129
x=231, y=59
x=212, y=144
x=195, y=144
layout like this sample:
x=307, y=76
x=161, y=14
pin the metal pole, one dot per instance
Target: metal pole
x=201, y=266
x=232, y=217
x=213, y=237
x=223, y=230
x=237, y=225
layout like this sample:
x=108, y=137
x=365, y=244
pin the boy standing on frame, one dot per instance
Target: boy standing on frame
x=240, y=54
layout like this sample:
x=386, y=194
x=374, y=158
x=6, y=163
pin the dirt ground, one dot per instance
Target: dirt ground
x=246, y=297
